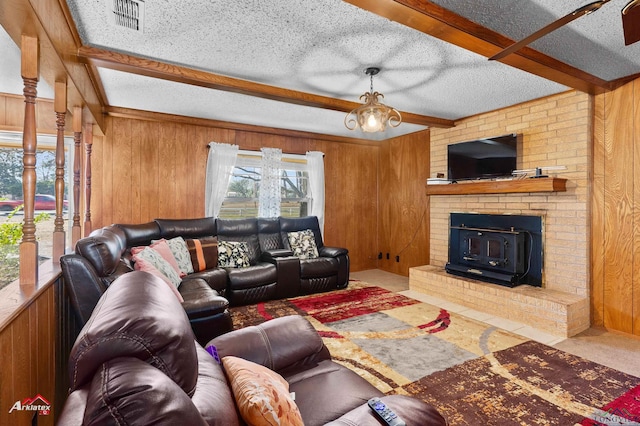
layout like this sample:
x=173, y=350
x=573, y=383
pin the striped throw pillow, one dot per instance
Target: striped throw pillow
x=203, y=252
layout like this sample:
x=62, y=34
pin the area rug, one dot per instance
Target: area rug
x=472, y=372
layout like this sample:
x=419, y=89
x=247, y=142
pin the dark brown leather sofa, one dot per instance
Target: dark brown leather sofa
x=136, y=362
x=273, y=273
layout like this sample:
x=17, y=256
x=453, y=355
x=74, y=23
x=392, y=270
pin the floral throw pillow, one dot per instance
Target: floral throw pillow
x=180, y=251
x=150, y=255
x=262, y=395
x=303, y=244
x=233, y=254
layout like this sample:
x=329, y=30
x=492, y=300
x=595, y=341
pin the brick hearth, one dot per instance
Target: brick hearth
x=555, y=312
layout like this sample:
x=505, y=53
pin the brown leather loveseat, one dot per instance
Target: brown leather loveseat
x=273, y=272
x=136, y=362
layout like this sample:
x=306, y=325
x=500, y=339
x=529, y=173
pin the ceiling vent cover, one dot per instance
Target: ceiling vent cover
x=127, y=13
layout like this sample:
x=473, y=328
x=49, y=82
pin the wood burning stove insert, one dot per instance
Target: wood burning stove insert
x=503, y=249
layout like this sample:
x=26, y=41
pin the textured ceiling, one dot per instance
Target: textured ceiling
x=593, y=43
x=322, y=47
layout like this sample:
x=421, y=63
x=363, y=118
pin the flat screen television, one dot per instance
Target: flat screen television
x=482, y=158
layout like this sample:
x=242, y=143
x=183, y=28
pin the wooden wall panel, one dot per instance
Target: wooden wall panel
x=618, y=212
x=350, y=200
x=12, y=113
x=14, y=116
x=27, y=350
x=597, y=214
x=97, y=169
x=3, y=109
x=403, y=227
x=150, y=169
x=615, y=209
x=635, y=135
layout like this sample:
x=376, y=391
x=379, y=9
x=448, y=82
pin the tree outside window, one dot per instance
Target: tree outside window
x=243, y=193
x=11, y=216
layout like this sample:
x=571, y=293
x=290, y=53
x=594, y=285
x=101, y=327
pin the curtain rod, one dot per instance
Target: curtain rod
x=248, y=152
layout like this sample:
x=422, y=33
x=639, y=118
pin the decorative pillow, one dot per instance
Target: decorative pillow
x=143, y=265
x=163, y=249
x=262, y=395
x=233, y=254
x=153, y=257
x=203, y=253
x=180, y=251
x=303, y=244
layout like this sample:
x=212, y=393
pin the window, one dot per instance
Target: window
x=11, y=215
x=243, y=193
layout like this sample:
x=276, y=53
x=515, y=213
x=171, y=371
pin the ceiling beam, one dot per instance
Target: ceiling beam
x=151, y=68
x=445, y=25
x=47, y=22
x=206, y=122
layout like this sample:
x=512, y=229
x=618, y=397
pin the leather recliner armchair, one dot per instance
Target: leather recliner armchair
x=136, y=362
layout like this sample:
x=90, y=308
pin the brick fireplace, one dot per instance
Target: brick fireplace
x=555, y=132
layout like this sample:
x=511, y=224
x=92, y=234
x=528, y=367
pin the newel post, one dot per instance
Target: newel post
x=60, y=107
x=29, y=246
x=77, y=139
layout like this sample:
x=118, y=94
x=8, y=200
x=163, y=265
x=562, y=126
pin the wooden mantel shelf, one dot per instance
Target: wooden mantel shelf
x=549, y=184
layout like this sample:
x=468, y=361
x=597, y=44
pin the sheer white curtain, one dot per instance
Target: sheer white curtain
x=315, y=165
x=220, y=164
x=271, y=169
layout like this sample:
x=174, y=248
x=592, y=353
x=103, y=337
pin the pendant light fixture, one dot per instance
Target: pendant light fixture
x=372, y=116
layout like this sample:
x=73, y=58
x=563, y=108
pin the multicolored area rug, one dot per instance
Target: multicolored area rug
x=474, y=373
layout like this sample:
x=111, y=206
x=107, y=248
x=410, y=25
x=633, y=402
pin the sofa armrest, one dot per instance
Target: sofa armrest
x=412, y=410
x=332, y=251
x=276, y=344
x=268, y=255
x=288, y=268
x=82, y=284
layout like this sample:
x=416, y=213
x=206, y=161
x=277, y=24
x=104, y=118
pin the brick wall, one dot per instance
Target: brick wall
x=556, y=131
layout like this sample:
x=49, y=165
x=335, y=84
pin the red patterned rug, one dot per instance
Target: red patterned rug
x=474, y=373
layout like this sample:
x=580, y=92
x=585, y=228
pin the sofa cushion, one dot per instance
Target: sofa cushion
x=233, y=254
x=154, y=329
x=216, y=278
x=262, y=395
x=290, y=224
x=213, y=397
x=252, y=276
x=187, y=228
x=103, y=249
x=244, y=230
x=405, y=407
x=335, y=389
x=320, y=267
x=130, y=391
x=203, y=252
x=303, y=244
x=200, y=300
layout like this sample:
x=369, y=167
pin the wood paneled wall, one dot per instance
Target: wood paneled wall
x=12, y=114
x=403, y=228
x=28, y=353
x=615, y=249
x=149, y=169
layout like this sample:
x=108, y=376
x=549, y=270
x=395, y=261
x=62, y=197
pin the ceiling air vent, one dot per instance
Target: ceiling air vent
x=127, y=13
